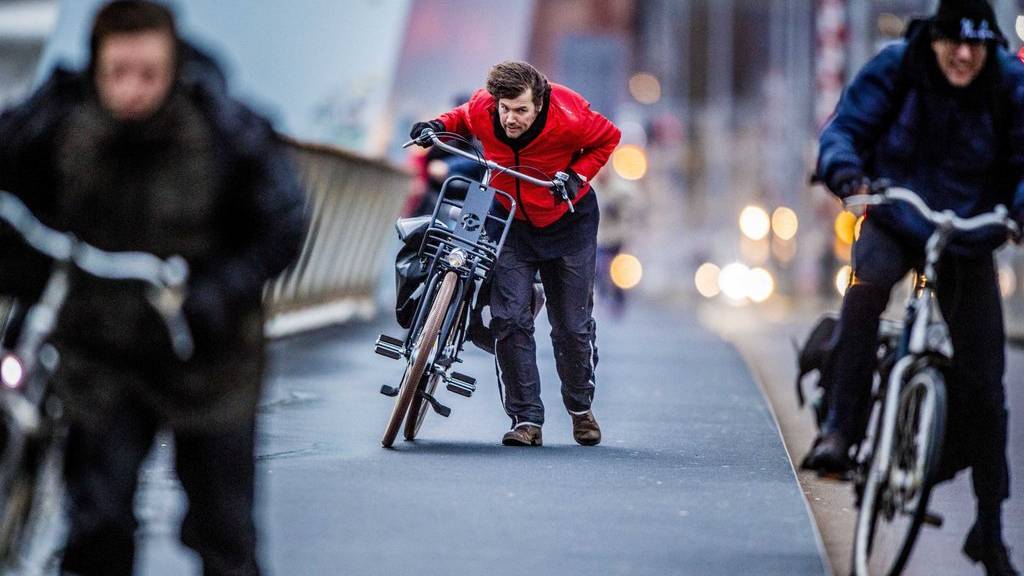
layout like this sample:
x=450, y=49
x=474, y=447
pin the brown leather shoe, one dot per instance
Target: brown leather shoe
x=585, y=429
x=526, y=435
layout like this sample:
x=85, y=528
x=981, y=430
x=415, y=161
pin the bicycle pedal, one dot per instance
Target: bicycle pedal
x=441, y=409
x=388, y=391
x=388, y=346
x=933, y=519
x=461, y=384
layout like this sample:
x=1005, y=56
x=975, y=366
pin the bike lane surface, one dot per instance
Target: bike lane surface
x=691, y=477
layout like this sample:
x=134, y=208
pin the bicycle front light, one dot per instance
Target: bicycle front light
x=11, y=371
x=456, y=258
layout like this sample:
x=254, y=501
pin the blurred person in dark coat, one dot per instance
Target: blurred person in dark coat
x=145, y=151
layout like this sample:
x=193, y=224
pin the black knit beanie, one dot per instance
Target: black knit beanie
x=967, y=21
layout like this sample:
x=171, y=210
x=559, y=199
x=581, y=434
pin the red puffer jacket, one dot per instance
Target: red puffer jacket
x=574, y=136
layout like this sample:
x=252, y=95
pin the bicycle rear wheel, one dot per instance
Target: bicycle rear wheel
x=894, y=505
x=418, y=358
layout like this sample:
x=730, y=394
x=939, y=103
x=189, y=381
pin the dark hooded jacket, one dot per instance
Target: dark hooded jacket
x=205, y=178
x=959, y=148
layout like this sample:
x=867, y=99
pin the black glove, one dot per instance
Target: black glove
x=419, y=127
x=847, y=181
x=572, y=186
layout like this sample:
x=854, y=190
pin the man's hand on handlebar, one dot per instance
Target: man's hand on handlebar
x=571, y=186
x=416, y=134
x=565, y=186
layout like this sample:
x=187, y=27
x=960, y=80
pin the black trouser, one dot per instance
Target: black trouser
x=968, y=295
x=569, y=287
x=216, y=470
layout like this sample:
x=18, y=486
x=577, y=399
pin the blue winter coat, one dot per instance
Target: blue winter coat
x=957, y=164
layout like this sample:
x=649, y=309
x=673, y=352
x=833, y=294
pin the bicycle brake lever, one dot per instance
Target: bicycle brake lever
x=560, y=179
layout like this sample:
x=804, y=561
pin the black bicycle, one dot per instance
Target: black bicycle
x=460, y=244
x=32, y=430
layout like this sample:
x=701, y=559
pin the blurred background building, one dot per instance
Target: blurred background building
x=719, y=102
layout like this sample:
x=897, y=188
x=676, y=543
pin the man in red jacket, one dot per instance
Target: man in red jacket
x=522, y=120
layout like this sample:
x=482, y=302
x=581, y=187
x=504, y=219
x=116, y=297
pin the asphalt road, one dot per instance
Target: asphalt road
x=691, y=478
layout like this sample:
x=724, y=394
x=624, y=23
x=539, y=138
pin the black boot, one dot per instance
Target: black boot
x=830, y=455
x=990, y=552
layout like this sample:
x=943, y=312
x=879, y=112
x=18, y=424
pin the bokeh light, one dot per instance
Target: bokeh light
x=11, y=371
x=706, y=280
x=754, y=222
x=645, y=88
x=845, y=225
x=733, y=280
x=629, y=162
x=785, y=222
x=626, y=271
x=843, y=279
x=760, y=285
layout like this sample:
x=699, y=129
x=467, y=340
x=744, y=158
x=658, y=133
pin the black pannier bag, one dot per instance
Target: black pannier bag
x=410, y=269
x=813, y=357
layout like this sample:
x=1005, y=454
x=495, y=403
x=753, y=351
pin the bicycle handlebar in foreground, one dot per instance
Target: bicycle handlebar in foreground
x=166, y=279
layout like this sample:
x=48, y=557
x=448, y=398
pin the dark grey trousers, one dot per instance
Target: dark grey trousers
x=569, y=287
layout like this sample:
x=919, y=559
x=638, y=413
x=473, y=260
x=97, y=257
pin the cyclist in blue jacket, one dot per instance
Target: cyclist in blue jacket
x=941, y=113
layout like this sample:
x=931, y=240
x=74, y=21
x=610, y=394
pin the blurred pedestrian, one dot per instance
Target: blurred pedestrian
x=522, y=120
x=620, y=211
x=144, y=150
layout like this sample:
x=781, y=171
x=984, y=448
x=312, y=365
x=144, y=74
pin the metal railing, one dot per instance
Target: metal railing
x=352, y=204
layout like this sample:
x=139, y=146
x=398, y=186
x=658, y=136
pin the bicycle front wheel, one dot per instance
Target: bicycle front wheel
x=418, y=358
x=895, y=502
x=419, y=407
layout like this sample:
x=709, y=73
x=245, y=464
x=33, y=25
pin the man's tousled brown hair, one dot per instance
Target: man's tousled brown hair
x=510, y=79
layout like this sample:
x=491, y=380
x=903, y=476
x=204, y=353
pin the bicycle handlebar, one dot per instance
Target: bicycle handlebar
x=943, y=219
x=165, y=279
x=557, y=184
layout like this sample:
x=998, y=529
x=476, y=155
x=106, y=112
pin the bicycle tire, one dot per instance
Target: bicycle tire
x=418, y=358
x=419, y=408
x=870, y=513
